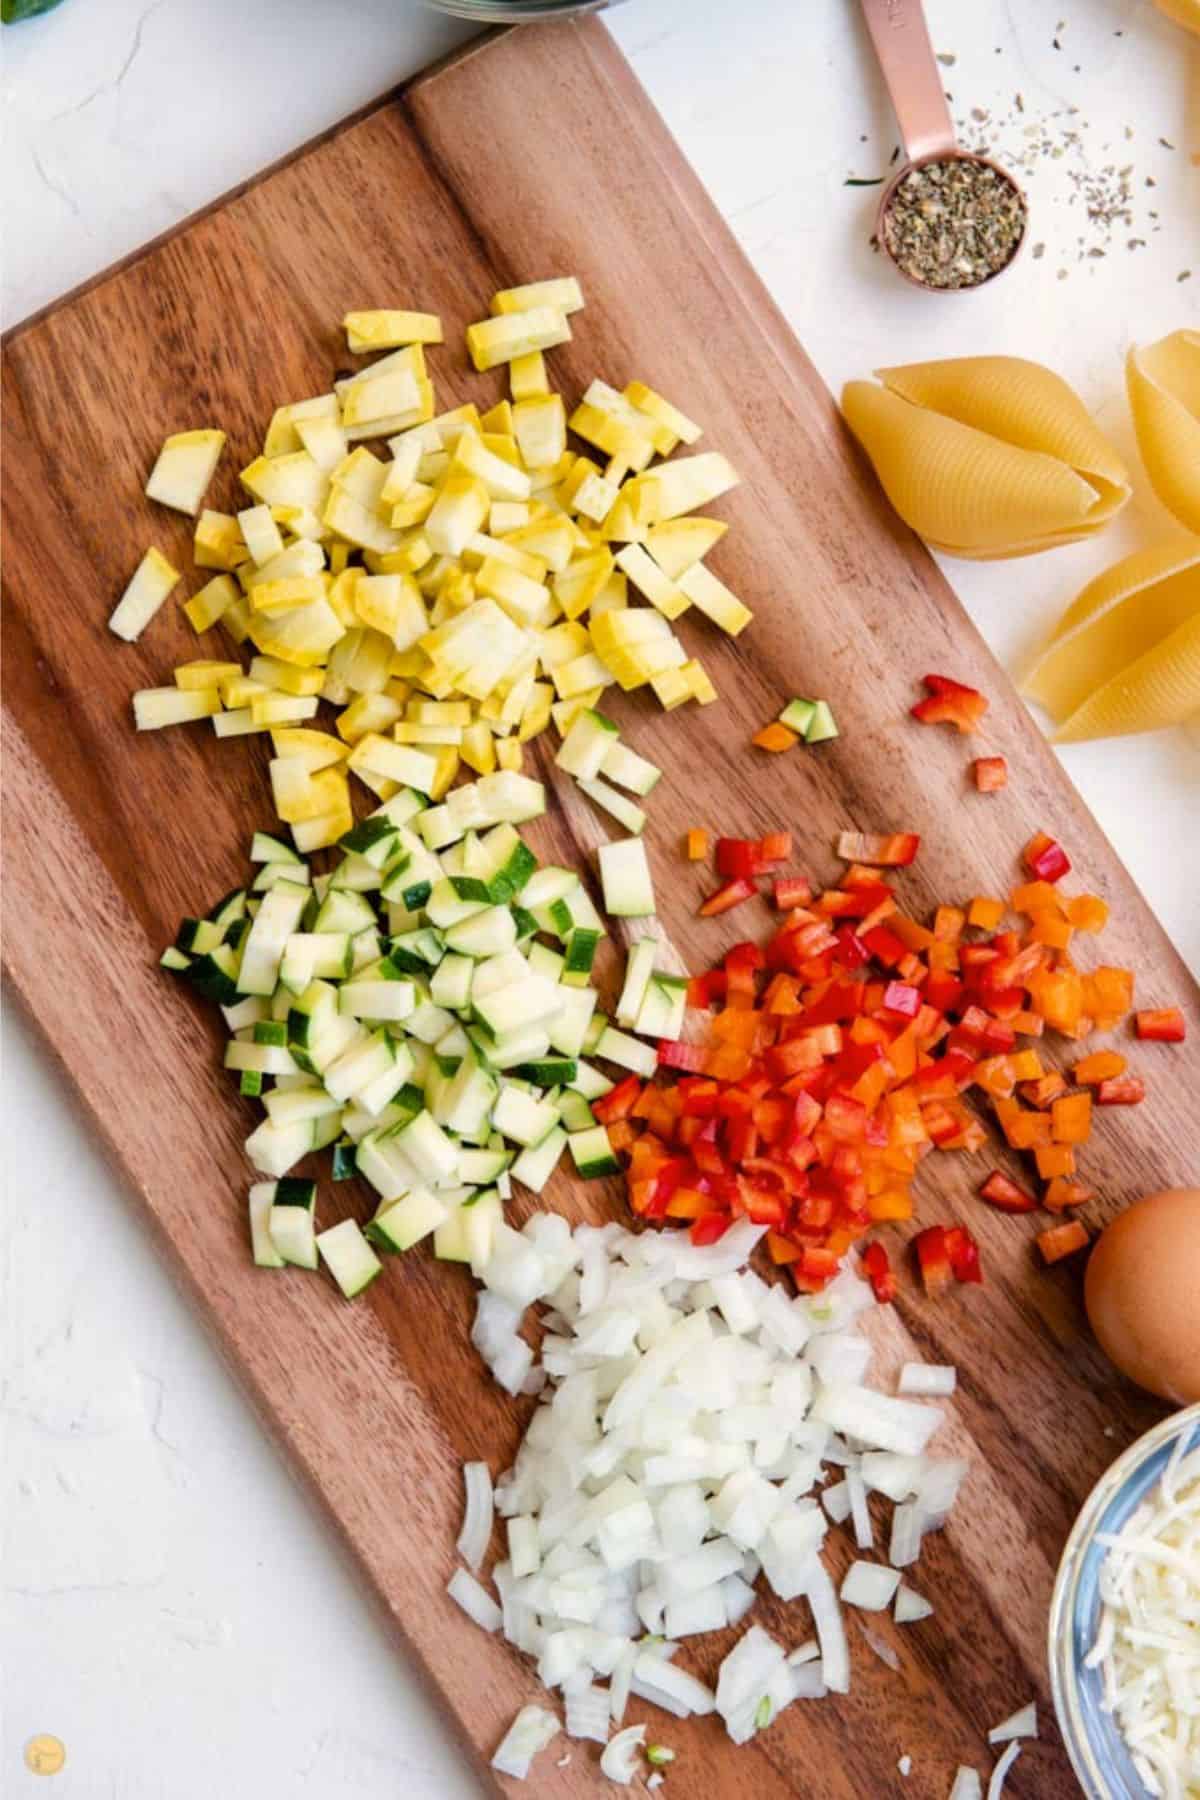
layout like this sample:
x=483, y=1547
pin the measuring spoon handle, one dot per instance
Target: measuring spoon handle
x=911, y=76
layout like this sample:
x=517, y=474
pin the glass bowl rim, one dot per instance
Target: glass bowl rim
x=1064, y=1672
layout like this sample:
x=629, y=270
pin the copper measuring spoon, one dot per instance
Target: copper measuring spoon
x=914, y=84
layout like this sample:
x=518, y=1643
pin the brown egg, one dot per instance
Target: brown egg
x=1143, y=1293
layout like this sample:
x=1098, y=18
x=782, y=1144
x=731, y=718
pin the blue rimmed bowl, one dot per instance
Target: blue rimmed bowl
x=1092, y=1736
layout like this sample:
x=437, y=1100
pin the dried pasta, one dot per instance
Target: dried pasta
x=1125, y=656
x=1164, y=396
x=987, y=456
x=1184, y=12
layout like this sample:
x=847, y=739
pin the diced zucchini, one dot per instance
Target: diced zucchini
x=348, y=1257
x=797, y=715
x=639, y=965
x=580, y=955
x=262, y=1198
x=822, y=726
x=428, y=1148
x=291, y=1222
x=592, y=1153
x=615, y=1046
x=629, y=770
x=625, y=878
x=588, y=741
x=663, y=1008
x=574, y=1111
x=590, y=1082
x=533, y=1168
x=550, y=1072
x=518, y=1116
x=399, y=1224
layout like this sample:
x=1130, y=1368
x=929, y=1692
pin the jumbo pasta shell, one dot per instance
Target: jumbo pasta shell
x=1164, y=396
x=1161, y=688
x=1184, y=12
x=1023, y=404
x=1102, y=673
x=961, y=489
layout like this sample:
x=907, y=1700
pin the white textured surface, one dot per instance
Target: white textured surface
x=176, y=1611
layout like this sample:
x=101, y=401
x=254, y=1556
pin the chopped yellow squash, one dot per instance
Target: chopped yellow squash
x=148, y=587
x=184, y=469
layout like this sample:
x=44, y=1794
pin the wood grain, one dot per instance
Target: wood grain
x=533, y=155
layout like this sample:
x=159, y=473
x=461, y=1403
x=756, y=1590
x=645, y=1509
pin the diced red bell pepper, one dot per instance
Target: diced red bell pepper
x=933, y=1258
x=950, y=703
x=885, y=946
x=894, y=851
x=942, y=990
x=1164, y=1026
x=732, y=894
x=963, y=1253
x=1045, y=859
x=791, y=891
x=879, y=1272
x=709, y=1227
x=991, y=773
x=1122, y=1090
x=738, y=856
x=1001, y=1191
x=619, y=1101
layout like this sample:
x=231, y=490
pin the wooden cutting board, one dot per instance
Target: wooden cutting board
x=537, y=153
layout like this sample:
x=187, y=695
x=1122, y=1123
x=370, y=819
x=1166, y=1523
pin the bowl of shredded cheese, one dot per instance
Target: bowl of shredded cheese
x=1125, y=1623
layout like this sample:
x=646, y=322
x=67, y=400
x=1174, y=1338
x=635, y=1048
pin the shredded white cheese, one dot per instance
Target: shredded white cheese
x=1147, y=1644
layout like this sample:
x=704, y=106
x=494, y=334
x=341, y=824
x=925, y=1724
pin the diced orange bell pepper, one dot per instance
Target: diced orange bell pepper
x=696, y=845
x=1035, y=897
x=1061, y=1194
x=1050, y=928
x=1054, y=1160
x=1071, y=1119
x=1062, y=1240
x=1043, y=1091
x=1087, y=912
x=985, y=913
x=1028, y=1130
x=948, y=923
x=1100, y=1066
x=775, y=737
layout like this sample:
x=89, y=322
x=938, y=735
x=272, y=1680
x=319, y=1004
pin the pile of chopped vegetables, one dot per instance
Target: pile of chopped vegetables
x=836, y=1056
x=453, y=597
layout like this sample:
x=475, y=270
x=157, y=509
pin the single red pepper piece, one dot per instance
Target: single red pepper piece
x=963, y=1253
x=737, y=856
x=1121, y=1090
x=878, y=1267
x=1001, y=1191
x=732, y=894
x=933, y=1258
x=990, y=773
x=1045, y=859
x=619, y=1101
x=709, y=1227
x=790, y=892
x=888, y=852
x=885, y=946
x=1164, y=1026
x=950, y=703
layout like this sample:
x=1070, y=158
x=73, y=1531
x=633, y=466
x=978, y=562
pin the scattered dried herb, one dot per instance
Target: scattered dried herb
x=954, y=223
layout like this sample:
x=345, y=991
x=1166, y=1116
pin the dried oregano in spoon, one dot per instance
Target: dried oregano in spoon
x=954, y=222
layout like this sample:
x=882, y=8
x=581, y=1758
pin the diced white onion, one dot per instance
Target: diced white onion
x=475, y=1601
x=932, y=1380
x=910, y=1606
x=531, y=1730
x=476, y=1531
x=622, y=1755
x=967, y=1784
x=880, y=1647
x=869, y=1586
x=1000, y=1772
x=1022, y=1724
